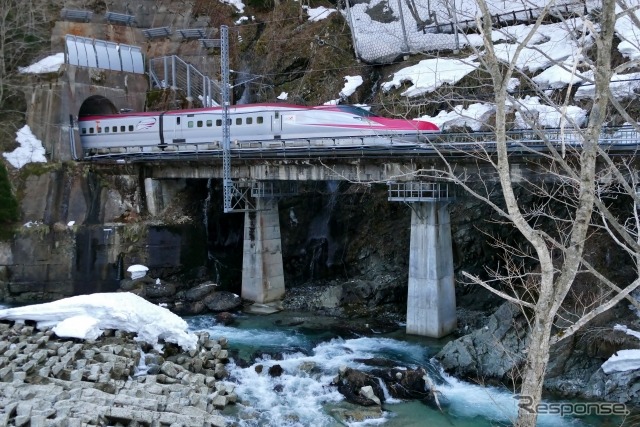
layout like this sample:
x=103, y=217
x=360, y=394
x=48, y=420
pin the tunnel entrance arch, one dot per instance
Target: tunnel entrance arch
x=97, y=105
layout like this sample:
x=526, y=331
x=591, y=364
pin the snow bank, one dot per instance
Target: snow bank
x=87, y=316
x=30, y=150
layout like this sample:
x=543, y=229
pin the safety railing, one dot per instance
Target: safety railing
x=174, y=73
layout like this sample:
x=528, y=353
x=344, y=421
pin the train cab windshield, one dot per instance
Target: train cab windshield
x=356, y=111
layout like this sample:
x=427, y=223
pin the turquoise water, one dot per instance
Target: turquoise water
x=304, y=397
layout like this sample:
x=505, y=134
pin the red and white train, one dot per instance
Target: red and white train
x=252, y=126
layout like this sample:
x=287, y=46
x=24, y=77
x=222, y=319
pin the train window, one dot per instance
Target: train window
x=114, y=129
x=90, y=130
x=177, y=120
x=209, y=123
x=99, y=129
x=130, y=128
x=190, y=124
x=259, y=120
x=249, y=120
x=277, y=114
x=229, y=122
x=84, y=131
x=106, y=129
x=122, y=128
x=219, y=122
x=239, y=121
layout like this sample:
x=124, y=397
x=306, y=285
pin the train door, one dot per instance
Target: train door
x=276, y=125
x=178, y=125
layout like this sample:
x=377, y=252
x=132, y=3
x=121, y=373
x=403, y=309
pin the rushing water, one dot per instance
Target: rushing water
x=311, y=357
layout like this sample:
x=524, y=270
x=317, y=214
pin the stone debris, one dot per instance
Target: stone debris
x=48, y=381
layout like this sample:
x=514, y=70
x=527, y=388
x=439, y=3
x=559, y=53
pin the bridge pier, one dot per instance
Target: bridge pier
x=262, y=271
x=431, y=299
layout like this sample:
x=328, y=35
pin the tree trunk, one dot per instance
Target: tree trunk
x=536, y=366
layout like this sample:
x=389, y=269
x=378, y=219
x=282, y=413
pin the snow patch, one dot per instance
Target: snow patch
x=30, y=150
x=49, y=64
x=353, y=82
x=318, y=13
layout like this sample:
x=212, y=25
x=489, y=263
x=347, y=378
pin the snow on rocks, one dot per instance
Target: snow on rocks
x=627, y=30
x=49, y=64
x=560, y=75
x=549, y=45
x=352, y=83
x=87, y=316
x=533, y=113
x=429, y=74
x=623, y=360
x=473, y=117
x=622, y=86
x=29, y=151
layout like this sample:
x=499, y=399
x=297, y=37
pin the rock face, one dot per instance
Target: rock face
x=56, y=382
x=494, y=351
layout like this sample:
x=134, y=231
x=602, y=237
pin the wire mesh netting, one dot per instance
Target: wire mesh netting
x=384, y=30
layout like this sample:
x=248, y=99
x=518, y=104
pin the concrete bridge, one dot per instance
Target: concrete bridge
x=431, y=309
x=261, y=181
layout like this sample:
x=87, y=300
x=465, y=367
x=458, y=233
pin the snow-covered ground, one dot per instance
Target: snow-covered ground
x=87, y=316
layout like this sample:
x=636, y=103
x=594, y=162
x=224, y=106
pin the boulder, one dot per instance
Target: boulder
x=496, y=351
x=222, y=301
x=225, y=318
x=185, y=308
x=367, y=392
x=160, y=289
x=275, y=370
x=350, y=385
x=199, y=292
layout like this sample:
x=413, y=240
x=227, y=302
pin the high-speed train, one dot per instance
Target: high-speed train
x=251, y=126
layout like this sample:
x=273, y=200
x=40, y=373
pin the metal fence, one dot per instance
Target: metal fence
x=172, y=72
x=86, y=52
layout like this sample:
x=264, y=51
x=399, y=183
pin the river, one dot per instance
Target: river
x=312, y=355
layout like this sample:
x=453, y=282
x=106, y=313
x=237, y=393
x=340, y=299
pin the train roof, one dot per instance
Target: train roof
x=234, y=108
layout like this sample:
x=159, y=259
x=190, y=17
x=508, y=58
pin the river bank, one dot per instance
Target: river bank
x=113, y=380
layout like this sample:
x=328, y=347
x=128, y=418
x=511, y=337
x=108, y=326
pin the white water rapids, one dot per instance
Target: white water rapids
x=303, y=395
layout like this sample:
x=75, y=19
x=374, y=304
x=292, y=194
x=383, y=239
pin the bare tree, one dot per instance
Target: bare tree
x=23, y=29
x=555, y=244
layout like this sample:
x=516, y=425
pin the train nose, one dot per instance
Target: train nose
x=426, y=126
